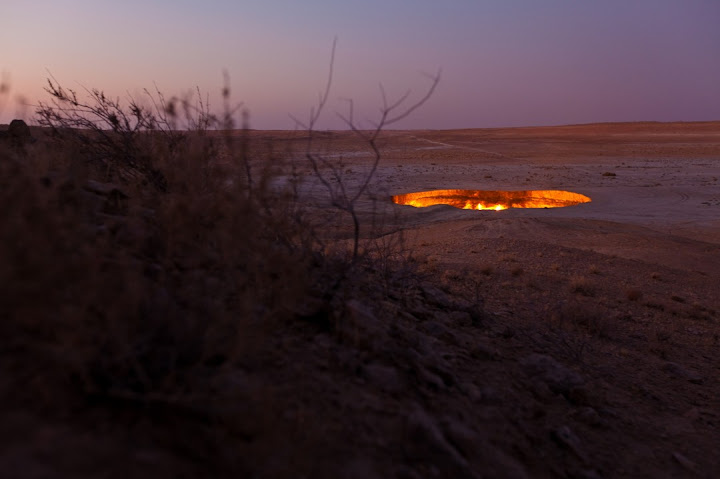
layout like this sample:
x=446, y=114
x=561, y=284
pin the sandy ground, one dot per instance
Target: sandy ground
x=655, y=188
x=635, y=273
x=665, y=186
x=578, y=342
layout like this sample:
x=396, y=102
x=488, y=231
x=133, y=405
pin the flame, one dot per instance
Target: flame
x=492, y=200
x=470, y=205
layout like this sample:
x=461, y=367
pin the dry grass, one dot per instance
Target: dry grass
x=148, y=301
x=487, y=270
x=150, y=290
x=633, y=294
x=508, y=258
x=582, y=285
x=576, y=329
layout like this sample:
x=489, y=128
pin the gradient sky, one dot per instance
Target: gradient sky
x=504, y=62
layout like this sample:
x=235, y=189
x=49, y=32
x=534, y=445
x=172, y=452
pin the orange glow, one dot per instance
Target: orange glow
x=492, y=200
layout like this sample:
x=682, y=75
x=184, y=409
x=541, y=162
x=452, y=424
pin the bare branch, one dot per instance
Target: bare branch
x=390, y=113
x=435, y=81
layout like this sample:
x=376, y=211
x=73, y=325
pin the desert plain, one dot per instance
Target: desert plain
x=654, y=187
x=577, y=342
x=624, y=290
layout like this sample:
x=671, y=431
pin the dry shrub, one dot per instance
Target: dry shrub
x=149, y=291
x=633, y=294
x=135, y=289
x=656, y=305
x=148, y=311
x=574, y=329
x=392, y=263
x=700, y=312
x=147, y=303
x=582, y=285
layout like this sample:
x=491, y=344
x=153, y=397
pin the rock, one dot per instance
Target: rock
x=472, y=391
x=360, y=468
x=484, y=352
x=485, y=394
x=692, y=414
x=434, y=328
x=587, y=474
x=588, y=416
x=437, y=365
x=490, y=395
x=115, y=201
x=541, y=391
x=104, y=189
x=674, y=369
x=579, y=395
x=426, y=442
x=566, y=438
x=359, y=325
x=385, y=378
x=439, y=331
x=420, y=312
x=435, y=296
x=462, y=437
x=431, y=379
x=405, y=472
x=19, y=129
x=478, y=450
x=461, y=318
x=684, y=461
x=18, y=133
x=360, y=314
x=559, y=379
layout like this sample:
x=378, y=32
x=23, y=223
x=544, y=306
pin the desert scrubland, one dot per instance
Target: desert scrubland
x=566, y=342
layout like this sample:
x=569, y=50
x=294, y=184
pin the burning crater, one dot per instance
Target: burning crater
x=492, y=200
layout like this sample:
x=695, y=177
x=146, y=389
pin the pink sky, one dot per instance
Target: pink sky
x=504, y=62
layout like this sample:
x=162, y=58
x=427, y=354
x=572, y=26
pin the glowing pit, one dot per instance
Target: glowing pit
x=492, y=200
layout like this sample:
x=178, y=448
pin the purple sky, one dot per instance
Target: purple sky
x=504, y=62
